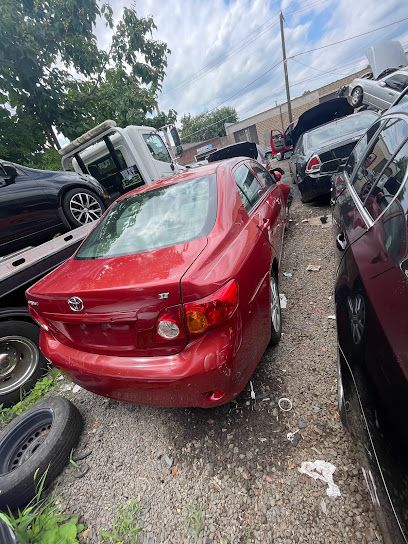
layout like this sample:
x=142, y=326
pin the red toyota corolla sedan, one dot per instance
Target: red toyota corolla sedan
x=173, y=297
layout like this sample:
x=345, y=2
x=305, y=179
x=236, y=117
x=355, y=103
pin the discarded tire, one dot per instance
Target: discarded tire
x=40, y=439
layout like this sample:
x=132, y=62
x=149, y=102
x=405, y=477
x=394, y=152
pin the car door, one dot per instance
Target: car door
x=24, y=211
x=254, y=272
x=275, y=201
x=371, y=302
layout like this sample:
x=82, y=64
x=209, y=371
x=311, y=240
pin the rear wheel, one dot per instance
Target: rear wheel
x=21, y=362
x=356, y=97
x=82, y=206
x=276, y=317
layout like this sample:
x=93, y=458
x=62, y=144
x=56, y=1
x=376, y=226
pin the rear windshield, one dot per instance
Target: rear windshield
x=165, y=216
x=342, y=127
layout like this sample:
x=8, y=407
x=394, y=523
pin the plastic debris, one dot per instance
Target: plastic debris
x=294, y=437
x=331, y=317
x=167, y=460
x=76, y=388
x=285, y=404
x=313, y=267
x=283, y=301
x=323, y=506
x=321, y=470
x=288, y=274
x=253, y=396
x=305, y=220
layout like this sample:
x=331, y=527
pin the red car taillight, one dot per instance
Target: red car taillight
x=213, y=310
x=314, y=164
x=170, y=326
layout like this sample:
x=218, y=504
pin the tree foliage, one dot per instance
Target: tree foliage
x=196, y=128
x=54, y=74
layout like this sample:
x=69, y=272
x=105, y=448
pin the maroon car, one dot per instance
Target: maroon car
x=371, y=206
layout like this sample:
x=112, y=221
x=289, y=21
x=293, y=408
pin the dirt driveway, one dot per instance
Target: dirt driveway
x=230, y=475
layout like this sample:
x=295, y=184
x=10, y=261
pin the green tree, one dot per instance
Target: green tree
x=195, y=128
x=53, y=74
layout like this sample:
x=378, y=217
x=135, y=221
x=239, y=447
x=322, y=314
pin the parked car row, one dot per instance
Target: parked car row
x=371, y=295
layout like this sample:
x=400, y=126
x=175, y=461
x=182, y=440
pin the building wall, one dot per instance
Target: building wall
x=190, y=150
x=277, y=118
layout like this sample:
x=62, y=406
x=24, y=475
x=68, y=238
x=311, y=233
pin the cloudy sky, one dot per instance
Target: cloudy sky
x=223, y=52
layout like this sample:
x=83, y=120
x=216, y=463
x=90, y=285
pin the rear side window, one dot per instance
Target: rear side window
x=263, y=176
x=165, y=216
x=360, y=148
x=378, y=155
x=249, y=188
x=398, y=82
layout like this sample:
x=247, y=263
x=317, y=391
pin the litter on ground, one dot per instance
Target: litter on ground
x=321, y=470
x=283, y=301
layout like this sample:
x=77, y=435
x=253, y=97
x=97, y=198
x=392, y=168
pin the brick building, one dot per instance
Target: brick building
x=257, y=128
x=200, y=150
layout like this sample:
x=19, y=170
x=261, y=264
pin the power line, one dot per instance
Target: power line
x=215, y=63
x=347, y=39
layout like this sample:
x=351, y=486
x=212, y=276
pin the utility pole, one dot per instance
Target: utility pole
x=285, y=67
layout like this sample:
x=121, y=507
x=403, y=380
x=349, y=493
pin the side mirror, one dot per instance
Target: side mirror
x=8, y=172
x=175, y=135
x=277, y=174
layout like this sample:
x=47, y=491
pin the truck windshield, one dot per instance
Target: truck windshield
x=162, y=217
x=156, y=147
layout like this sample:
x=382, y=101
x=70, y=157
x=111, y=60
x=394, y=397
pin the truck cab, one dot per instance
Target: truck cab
x=121, y=159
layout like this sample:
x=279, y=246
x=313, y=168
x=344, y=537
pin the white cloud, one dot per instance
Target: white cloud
x=245, y=34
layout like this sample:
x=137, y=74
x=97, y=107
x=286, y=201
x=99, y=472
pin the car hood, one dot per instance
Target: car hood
x=321, y=114
x=385, y=55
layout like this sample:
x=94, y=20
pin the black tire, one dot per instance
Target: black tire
x=276, y=323
x=21, y=338
x=40, y=439
x=79, y=198
x=356, y=97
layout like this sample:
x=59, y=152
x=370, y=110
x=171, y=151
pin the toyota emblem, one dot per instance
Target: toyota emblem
x=76, y=304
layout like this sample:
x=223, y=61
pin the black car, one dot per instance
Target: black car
x=371, y=297
x=319, y=153
x=36, y=204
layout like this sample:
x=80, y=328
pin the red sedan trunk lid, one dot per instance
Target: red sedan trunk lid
x=121, y=297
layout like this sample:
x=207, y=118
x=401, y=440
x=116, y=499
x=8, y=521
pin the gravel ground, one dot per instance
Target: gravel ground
x=230, y=475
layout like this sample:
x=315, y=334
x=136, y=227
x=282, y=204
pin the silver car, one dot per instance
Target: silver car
x=379, y=93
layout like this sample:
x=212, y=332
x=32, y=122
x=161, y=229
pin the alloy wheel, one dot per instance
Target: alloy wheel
x=85, y=208
x=19, y=358
x=357, y=316
x=275, y=305
x=355, y=96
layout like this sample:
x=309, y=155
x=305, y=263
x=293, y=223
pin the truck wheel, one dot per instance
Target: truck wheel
x=21, y=362
x=82, y=206
x=39, y=440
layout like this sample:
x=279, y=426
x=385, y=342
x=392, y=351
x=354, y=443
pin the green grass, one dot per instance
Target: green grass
x=43, y=522
x=43, y=386
x=126, y=527
x=194, y=518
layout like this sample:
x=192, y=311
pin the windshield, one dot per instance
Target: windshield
x=342, y=127
x=163, y=217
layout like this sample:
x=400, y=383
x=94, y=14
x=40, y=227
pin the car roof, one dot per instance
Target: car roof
x=399, y=108
x=339, y=119
x=187, y=175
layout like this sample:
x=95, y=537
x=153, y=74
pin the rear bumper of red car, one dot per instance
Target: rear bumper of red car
x=202, y=375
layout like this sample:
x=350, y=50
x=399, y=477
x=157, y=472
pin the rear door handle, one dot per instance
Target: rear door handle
x=265, y=223
x=341, y=242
